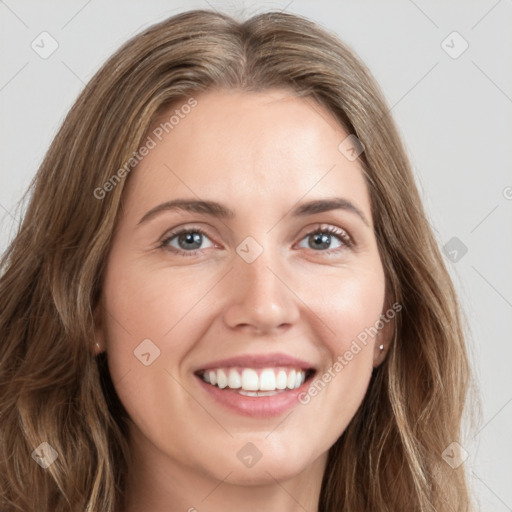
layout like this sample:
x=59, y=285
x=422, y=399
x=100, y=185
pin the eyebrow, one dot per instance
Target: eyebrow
x=221, y=211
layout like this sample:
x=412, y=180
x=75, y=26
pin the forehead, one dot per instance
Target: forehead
x=253, y=147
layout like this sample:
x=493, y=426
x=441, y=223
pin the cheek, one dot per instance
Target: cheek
x=350, y=303
x=147, y=335
x=149, y=303
x=349, y=310
x=154, y=318
x=350, y=307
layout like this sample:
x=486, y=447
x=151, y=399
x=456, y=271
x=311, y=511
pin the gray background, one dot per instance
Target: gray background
x=454, y=115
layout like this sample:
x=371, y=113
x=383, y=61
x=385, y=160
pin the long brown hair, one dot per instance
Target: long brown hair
x=53, y=389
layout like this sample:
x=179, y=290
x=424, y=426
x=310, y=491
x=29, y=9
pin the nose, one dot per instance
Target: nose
x=260, y=299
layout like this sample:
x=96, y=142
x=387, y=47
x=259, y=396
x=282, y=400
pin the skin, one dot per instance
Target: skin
x=260, y=154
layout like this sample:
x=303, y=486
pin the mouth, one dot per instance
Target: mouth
x=255, y=385
x=256, y=382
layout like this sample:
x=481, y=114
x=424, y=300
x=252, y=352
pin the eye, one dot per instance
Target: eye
x=190, y=238
x=321, y=237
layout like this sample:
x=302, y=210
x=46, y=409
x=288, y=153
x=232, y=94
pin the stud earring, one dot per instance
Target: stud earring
x=381, y=347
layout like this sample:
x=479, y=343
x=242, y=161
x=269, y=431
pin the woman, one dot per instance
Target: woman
x=265, y=369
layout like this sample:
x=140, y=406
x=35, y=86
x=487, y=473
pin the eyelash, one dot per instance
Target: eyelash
x=340, y=233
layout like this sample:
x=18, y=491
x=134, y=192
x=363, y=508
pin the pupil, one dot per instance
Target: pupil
x=322, y=239
x=190, y=238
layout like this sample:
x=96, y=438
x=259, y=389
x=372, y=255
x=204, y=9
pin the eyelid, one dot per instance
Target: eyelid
x=337, y=231
x=172, y=233
x=341, y=233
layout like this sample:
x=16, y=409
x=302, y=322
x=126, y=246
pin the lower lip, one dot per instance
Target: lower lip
x=255, y=406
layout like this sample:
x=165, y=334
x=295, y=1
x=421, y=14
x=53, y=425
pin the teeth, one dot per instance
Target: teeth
x=268, y=380
x=258, y=393
x=291, y=379
x=282, y=380
x=234, y=381
x=222, y=380
x=251, y=382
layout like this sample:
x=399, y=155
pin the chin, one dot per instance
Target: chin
x=270, y=464
x=263, y=473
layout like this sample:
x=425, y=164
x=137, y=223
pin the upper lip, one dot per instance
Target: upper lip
x=258, y=361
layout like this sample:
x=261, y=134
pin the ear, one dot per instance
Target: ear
x=99, y=336
x=383, y=339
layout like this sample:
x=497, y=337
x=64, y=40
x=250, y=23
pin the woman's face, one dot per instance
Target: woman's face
x=268, y=285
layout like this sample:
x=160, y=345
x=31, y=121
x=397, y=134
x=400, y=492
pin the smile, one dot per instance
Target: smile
x=256, y=382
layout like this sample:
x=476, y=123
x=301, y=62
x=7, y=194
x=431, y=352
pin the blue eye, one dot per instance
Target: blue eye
x=323, y=237
x=188, y=237
x=192, y=237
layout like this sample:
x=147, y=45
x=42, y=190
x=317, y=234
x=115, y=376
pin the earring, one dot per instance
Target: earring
x=381, y=347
